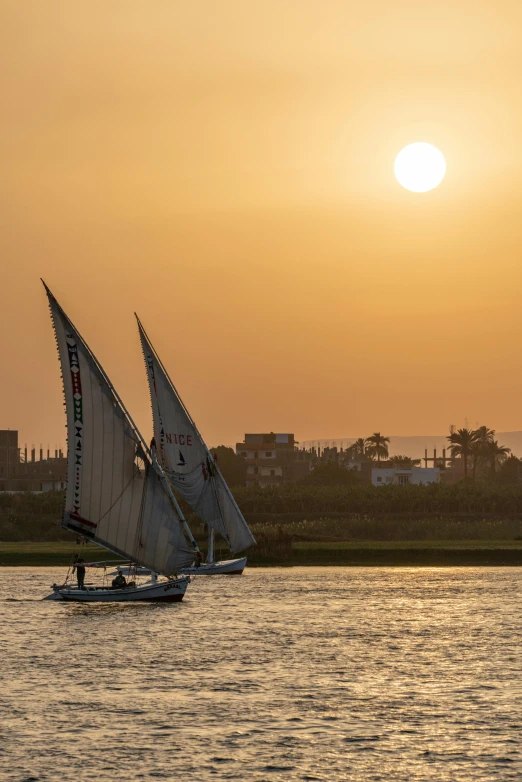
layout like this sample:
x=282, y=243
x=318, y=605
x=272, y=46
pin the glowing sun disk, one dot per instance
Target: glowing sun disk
x=420, y=167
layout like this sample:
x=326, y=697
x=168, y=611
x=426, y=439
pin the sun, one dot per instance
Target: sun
x=420, y=167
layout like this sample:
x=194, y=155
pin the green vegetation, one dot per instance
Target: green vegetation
x=397, y=528
x=329, y=474
x=232, y=467
x=350, y=523
x=465, y=497
x=359, y=450
x=407, y=554
x=353, y=510
x=60, y=553
x=401, y=462
x=32, y=517
x=480, y=446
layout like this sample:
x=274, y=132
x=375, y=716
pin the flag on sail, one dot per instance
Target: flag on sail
x=185, y=458
x=114, y=495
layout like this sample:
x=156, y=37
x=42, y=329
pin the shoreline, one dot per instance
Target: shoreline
x=321, y=554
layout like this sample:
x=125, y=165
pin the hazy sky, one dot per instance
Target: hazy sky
x=225, y=168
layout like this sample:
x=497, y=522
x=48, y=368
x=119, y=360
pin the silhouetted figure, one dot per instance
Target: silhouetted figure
x=80, y=573
x=119, y=581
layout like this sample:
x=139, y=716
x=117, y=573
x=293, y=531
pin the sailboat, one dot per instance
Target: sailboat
x=117, y=494
x=225, y=567
x=192, y=470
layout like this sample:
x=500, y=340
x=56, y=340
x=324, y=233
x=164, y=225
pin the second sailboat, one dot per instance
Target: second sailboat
x=191, y=469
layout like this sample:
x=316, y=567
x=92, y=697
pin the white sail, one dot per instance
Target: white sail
x=114, y=495
x=186, y=459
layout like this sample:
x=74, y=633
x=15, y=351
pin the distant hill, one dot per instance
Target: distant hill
x=415, y=446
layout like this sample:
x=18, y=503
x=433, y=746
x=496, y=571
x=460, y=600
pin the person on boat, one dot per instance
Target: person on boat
x=120, y=580
x=80, y=572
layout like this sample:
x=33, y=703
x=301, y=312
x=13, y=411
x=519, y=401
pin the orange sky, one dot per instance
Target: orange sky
x=226, y=169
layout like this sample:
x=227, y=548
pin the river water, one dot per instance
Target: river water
x=282, y=674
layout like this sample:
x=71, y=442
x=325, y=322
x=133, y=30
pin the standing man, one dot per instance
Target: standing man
x=80, y=572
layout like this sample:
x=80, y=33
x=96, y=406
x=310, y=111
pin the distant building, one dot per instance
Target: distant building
x=382, y=476
x=18, y=473
x=9, y=453
x=273, y=459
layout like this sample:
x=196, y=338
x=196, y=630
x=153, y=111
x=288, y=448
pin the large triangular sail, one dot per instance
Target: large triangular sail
x=185, y=458
x=115, y=495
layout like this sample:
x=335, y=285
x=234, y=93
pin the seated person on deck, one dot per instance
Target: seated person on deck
x=119, y=581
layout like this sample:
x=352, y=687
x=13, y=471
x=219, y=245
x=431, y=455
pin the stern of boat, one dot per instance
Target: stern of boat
x=55, y=594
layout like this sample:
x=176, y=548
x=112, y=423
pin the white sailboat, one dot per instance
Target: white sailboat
x=117, y=495
x=224, y=567
x=191, y=468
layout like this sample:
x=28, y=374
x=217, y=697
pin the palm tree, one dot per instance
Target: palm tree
x=357, y=450
x=479, y=449
x=498, y=454
x=403, y=462
x=485, y=435
x=377, y=445
x=461, y=444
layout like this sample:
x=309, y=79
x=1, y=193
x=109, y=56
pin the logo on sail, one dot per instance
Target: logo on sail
x=182, y=461
x=178, y=439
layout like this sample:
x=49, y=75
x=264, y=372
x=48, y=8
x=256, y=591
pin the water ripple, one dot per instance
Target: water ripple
x=306, y=674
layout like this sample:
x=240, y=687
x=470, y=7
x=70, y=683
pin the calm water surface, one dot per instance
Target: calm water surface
x=301, y=674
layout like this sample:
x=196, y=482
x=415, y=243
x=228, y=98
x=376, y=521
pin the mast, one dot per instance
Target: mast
x=210, y=553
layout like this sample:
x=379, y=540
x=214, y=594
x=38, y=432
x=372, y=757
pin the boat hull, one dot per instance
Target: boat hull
x=162, y=591
x=230, y=567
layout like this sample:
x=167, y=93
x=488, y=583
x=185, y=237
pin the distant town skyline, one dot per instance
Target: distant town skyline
x=408, y=445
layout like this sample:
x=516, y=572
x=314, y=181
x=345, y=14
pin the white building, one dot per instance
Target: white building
x=382, y=476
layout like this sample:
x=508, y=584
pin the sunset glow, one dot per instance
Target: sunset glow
x=233, y=181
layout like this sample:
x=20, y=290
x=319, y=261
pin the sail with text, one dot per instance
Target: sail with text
x=185, y=458
x=115, y=495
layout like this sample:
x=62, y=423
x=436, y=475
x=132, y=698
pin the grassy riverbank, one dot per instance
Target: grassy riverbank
x=409, y=553
x=340, y=553
x=47, y=553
